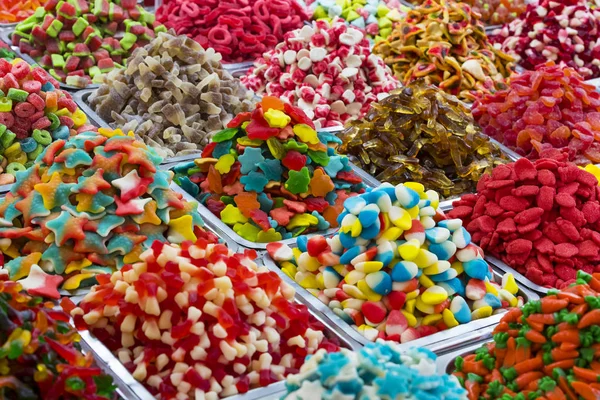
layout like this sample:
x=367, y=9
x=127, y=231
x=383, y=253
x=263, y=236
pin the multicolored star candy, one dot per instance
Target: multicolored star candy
x=88, y=206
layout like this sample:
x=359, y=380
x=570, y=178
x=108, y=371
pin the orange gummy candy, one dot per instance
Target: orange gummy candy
x=331, y=213
x=271, y=102
x=246, y=202
x=321, y=184
x=214, y=180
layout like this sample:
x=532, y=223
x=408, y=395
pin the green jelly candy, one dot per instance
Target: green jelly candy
x=225, y=134
x=54, y=121
x=278, y=202
x=298, y=181
x=54, y=28
x=15, y=167
x=227, y=200
x=276, y=148
x=38, y=150
x=7, y=138
x=293, y=145
x=298, y=231
x=5, y=104
x=244, y=141
x=128, y=41
x=2, y=129
x=319, y=157
x=43, y=137
x=247, y=231
x=79, y=26
x=269, y=236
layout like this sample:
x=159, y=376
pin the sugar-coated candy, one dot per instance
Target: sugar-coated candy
x=270, y=176
x=565, y=32
x=12, y=11
x=540, y=218
x=40, y=355
x=87, y=206
x=6, y=52
x=543, y=350
x=201, y=321
x=326, y=69
x=379, y=371
x=78, y=41
x=173, y=94
x=389, y=282
x=431, y=44
x=420, y=133
x=240, y=30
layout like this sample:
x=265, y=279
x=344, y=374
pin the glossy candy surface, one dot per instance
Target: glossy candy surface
x=494, y=12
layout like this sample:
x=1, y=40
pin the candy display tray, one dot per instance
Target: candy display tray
x=238, y=69
x=445, y=362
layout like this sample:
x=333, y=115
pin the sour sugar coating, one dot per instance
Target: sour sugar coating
x=431, y=44
x=379, y=371
x=271, y=176
x=541, y=218
x=77, y=41
x=40, y=355
x=419, y=133
x=325, y=69
x=398, y=269
x=34, y=112
x=6, y=52
x=88, y=206
x=549, y=112
x=174, y=95
x=201, y=321
x=544, y=350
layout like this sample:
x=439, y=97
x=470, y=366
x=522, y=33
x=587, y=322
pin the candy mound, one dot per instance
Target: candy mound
x=201, y=320
x=173, y=94
x=270, y=175
x=540, y=218
x=40, y=354
x=240, y=30
x=445, y=44
x=87, y=206
x=565, y=32
x=34, y=112
x=549, y=112
x=541, y=351
x=494, y=12
x=420, y=133
x=398, y=269
x=377, y=371
x=77, y=41
x=12, y=11
x=325, y=69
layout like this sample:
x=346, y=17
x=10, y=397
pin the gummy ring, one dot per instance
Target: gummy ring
x=230, y=21
x=54, y=121
x=7, y=119
x=28, y=145
x=15, y=167
x=261, y=10
x=189, y=9
x=43, y=137
x=258, y=32
x=38, y=150
x=219, y=35
x=279, y=7
x=24, y=110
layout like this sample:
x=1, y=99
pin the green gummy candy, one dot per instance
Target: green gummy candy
x=128, y=41
x=382, y=10
x=54, y=28
x=247, y=231
x=2, y=129
x=5, y=104
x=160, y=28
x=276, y=148
x=17, y=94
x=269, y=236
x=278, y=202
x=319, y=157
x=293, y=145
x=384, y=23
x=33, y=155
x=298, y=181
x=147, y=17
x=227, y=200
x=79, y=26
x=320, y=13
x=225, y=134
x=244, y=141
x=58, y=61
x=93, y=71
x=7, y=138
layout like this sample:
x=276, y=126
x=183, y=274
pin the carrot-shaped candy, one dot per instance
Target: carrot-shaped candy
x=587, y=375
x=509, y=360
x=495, y=389
x=500, y=340
x=549, y=389
x=473, y=386
x=535, y=337
x=552, y=305
x=590, y=318
x=523, y=349
x=584, y=390
x=570, y=336
x=560, y=376
x=524, y=379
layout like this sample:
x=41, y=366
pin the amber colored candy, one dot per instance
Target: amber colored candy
x=422, y=134
x=494, y=12
x=12, y=11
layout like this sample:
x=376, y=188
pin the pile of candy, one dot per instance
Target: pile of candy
x=565, y=32
x=240, y=30
x=77, y=41
x=40, y=357
x=33, y=114
x=445, y=44
x=173, y=94
x=376, y=17
x=87, y=206
x=12, y=11
x=548, y=112
x=377, y=371
x=325, y=69
x=270, y=176
x=541, y=218
x=495, y=12
x=6, y=52
x=420, y=133
x=201, y=320
x=398, y=269
x=546, y=350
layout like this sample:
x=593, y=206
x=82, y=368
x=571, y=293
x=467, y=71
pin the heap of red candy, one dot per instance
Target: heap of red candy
x=240, y=30
x=541, y=218
x=544, y=113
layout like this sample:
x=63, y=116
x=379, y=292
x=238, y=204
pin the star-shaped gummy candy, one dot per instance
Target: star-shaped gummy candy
x=298, y=181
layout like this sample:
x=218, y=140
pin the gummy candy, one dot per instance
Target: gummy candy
x=12, y=11
x=494, y=12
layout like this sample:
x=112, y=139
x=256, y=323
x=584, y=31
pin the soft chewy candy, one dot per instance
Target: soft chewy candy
x=548, y=112
x=494, y=12
x=173, y=94
x=40, y=355
x=325, y=69
x=88, y=206
x=270, y=176
x=541, y=218
x=398, y=269
x=6, y=52
x=12, y=11
x=79, y=40
x=378, y=371
x=34, y=112
x=201, y=321
x=545, y=350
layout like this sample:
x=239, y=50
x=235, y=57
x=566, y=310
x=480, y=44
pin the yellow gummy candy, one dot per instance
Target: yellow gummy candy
x=508, y=283
x=353, y=277
x=224, y=164
x=482, y=312
x=302, y=220
x=276, y=118
x=307, y=281
x=354, y=291
x=79, y=118
x=306, y=133
x=289, y=269
x=232, y=215
x=417, y=187
x=449, y=319
x=409, y=306
x=489, y=288
x=408, y=251
x=431, y=319
x=423, y=307
x=77, y=265
x=391, y=234
x=410, y=318
x=369, y=294
x=426, y=281
x=75, y=281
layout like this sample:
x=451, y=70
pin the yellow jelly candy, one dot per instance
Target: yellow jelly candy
x=391, y=234
x=410, y=318
x=369, y=294
x=426, y=281
x=408, y=251
x=75, y=281
x=449, y=319
x=308, y=263
x=400, y=217
x=79, y=118
x=423, y=307
x=276, y=118
x=289, y=269
x=353, y=291
x=232, y=215
x=224, y=164
x=302, y=220
x=306, y=133
x=490, y=288
x=306, y=280
x=458, y=267
x=417, y=187
x=482, y=312
x=431, y=319
x=354, y=276
x=369, y=266
x=409, y=306
x=434, y=295
x=424, y=258
x=508, y=283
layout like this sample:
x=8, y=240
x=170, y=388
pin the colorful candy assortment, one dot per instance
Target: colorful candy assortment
x=565, y=32
x=270, y=176
x=184, y=98
x=12, y=11
x=494, y=12
x=6, y=52
x=541, y=218
x=377, y=371
x=87, y=206
x=398, y=269
x=419, y=133
x=77, y=41
x=240, y=30
x=39, y=354
x=548, y=112
x=546, y=350
x=445, y=44
x=201, y=321
x=325, y=69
